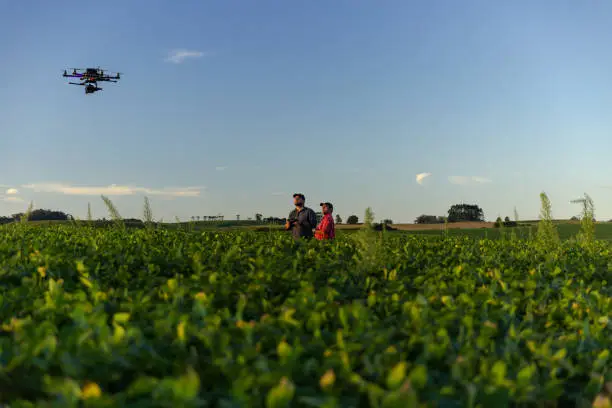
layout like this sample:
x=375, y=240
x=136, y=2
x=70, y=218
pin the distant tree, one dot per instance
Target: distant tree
x=274, y=220
x=133, y=222
x=48, y=215
x=381, y=226
x=465, y=212
x=197, y=218
x=6, y=220
x=510, y=223
x=338, y=219
x=429, y=219
x=237, y=217
x=258, y=217
x=387, y=222
x=498, y=222
x=352, y=220
x=507, y=222
x=43, y=215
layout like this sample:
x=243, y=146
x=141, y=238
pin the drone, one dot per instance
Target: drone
x=90, y=77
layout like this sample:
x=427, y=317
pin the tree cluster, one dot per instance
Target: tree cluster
x=274, y=220
x=457, y=213
x=383, y=226
x=41, y=215
x=429, y=219
x=352, y=220
x=505, y=223
x=465, y=212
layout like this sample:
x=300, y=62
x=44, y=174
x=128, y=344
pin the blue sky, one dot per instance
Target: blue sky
x=346, y=101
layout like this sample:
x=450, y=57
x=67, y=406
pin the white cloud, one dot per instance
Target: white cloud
x=12, y=199
x=478, y=179
x=112, y=190
x=179, y=55
x=466, y=180
x=10, y=196
x=220, y=168
x=461, y=180
x=422, y=176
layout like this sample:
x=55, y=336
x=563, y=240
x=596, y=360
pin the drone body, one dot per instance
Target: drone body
x=90, y=77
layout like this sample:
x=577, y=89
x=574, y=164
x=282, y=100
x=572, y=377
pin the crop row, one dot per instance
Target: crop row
x=110, y=317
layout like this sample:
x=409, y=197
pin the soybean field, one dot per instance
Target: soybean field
x=107, y=317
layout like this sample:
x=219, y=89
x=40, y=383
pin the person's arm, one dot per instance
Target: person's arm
x=312, y=219
x=288, y=223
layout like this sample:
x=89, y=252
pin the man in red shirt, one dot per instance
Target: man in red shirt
x=326, y=228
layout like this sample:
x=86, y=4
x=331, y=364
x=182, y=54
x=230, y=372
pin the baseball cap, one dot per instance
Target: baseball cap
x=328, y=204
x=299, y=195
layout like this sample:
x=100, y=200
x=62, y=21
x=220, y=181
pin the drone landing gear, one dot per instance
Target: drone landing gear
x=91, y=89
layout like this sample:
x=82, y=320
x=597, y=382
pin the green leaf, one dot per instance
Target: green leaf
x=602, y=359
x=418, y=377
x=172, y=284
x=498, y=372
x=284, y=349
x=142, y=385
x=396, y=375
x=242, y=302
x=86, y=282
x=560, y=355
x=281, y=395
x=524, y=375
x=121, y=318
x=65, y=388
x=187, y=386
x=405, y=397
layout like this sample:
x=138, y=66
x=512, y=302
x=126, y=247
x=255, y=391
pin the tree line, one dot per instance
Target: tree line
x=37, y=215
x=456, y=213
x=53, y=215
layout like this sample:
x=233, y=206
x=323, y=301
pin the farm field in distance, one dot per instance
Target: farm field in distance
x=238, y=318
x=566, y=229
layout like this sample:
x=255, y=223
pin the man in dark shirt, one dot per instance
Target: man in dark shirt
x=302, y=221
